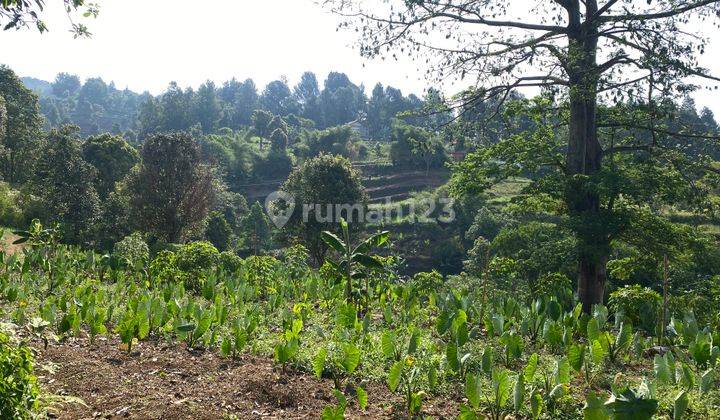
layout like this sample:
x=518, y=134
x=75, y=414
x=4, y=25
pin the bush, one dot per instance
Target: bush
x=10, y=212
x=18, y=386
x=197, y=256
x=639, y=305
x=556, y=285
x=230, y=262
x=218, y=231
x=133, y=250
x=193, y=260
x=163, y=268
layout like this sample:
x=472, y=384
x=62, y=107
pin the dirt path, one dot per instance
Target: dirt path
x=168, y=381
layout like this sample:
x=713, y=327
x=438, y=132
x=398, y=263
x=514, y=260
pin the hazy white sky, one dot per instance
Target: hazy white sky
x=145, y=44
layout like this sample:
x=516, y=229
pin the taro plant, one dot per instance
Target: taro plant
x=354, y=258
x=401, y=348
x=501, y=391
x=290, y=343
x=612, y=345
x=457, y=326
x=240, y=334
x=38, y=328
x=405, y=374
x=340, y=362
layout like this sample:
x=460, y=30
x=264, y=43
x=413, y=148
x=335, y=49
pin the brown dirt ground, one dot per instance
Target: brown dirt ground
x=6, y=243
x=163, y=380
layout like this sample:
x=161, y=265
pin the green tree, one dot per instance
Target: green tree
x=112, y=157
x=218, y=231
x=646, y=51
x=207, y=107
x=23, y=125
x=277, y=99
x=65, y=85
x=319, y=182
x=171, y=191
x=256, y=229
x=65, y=183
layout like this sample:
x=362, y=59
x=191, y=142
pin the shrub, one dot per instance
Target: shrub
x=218, y=231
x=427, y=282
x=18, y=386
x=163, y=268
x=10, y=212
x=639, y=305
x=555, y=285
x=197, y=256
x=133, y=250
x=230, y=262
x=193, y=260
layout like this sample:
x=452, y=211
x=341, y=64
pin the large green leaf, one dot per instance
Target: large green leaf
x=627, y=406
x=334, y=242
x=473, y=390
x=318, y=363
x=594, y=408
x=395, y=375
x=362, y=397
x=531, y=368
x=536, y=404
x=519, y=393
x=502, y=386
x=593, y=330
x=351, y=358
x=680, y=405
x=662, y=370
x=576, y=356
x=451, y=353
x=562, y=371
x=367, y=261
x=387, y=343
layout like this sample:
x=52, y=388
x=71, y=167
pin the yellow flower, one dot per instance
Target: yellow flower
x=409, y=360
x=22, y=303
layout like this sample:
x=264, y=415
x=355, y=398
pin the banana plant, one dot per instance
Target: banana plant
x=353, y=256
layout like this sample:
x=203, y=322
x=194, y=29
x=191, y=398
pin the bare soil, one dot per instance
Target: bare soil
x=161, y=380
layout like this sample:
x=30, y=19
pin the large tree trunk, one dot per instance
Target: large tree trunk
x=584, y=159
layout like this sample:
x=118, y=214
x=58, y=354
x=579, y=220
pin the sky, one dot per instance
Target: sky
x=145, y=44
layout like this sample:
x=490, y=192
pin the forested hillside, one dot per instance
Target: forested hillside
x=544, y=244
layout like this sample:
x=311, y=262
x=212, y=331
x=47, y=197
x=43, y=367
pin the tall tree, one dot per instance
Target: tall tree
x=341, y=101
x=583, y=49
x=318, y=185
x=112, y=157
x=23, y=127
x=176, y=108
x=172, y=191
x=207, y=107
x=65, y=85
x=278, y=99
x=307, y=93
x=65, y=183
